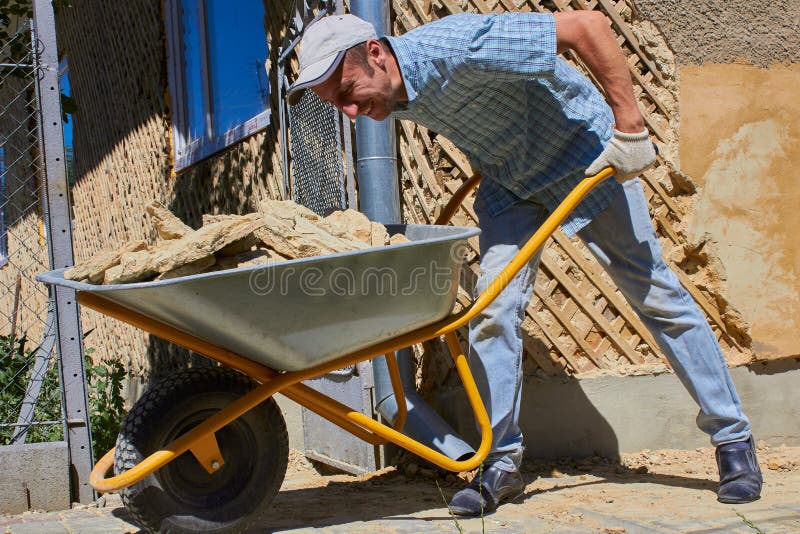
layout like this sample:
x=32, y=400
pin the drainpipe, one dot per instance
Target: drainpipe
x=378, y=187
x=379, y=199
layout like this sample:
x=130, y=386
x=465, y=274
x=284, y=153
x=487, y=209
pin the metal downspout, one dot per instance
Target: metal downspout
x=379, y=196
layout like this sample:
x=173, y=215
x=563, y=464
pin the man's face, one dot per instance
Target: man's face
x=361, y=85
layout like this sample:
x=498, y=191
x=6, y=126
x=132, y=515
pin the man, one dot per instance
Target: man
x=534, y=127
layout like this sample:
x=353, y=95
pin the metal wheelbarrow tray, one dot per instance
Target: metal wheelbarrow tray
x=297, y=314
x=274, y=327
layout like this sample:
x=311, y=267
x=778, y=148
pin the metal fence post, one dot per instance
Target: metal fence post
x=55, y=207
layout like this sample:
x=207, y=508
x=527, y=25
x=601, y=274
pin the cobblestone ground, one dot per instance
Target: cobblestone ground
x=653, y=491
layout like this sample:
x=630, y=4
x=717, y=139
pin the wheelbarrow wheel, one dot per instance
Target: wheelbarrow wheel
x=182, y=496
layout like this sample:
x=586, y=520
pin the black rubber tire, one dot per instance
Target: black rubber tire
x=182, y=497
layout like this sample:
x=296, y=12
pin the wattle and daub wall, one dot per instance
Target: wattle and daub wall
x=577, y=324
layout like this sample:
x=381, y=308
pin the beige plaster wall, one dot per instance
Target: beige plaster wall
x=740, y=140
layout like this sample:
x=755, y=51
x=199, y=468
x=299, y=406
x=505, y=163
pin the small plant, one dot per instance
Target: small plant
x=452, y=515
x=106, y=405
x=480, y=486
x=16, y=360
x=750, y=523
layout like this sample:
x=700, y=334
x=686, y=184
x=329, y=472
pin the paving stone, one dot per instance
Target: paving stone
x=48, y=527
x=391, y=503
x=99, y=525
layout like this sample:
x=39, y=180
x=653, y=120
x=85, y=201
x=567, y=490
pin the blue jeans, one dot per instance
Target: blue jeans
x=622, y=238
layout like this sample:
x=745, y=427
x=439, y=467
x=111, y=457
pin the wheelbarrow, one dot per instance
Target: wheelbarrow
x=272, y=327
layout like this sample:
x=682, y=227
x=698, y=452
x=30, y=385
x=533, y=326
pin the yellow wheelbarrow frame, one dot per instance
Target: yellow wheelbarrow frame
x=201, y=441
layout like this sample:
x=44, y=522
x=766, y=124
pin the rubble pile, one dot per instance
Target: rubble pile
x=280, y=230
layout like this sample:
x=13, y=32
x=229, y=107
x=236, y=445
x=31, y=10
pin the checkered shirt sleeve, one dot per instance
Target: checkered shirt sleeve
x=495, y=87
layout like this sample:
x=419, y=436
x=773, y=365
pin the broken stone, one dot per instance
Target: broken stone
x=378, y=235
x=95, y=267
x=306, y=230
x=258, y=257
x=775, y=465
x=209, y=218
x=247, y=259
x=280, y=230
x=225, y=262
x=133, y=266
x=240, y=246
x=397, y=239
x=299, y=238
x=286, y=209
x=195, y=247
x=350, y=224
x=189, y=269
x=167, y=225
x=204, y=242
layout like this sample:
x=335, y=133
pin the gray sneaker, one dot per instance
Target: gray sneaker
x=487, y=491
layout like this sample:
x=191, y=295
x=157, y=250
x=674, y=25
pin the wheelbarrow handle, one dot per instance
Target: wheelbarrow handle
x=458, y=198
x=530, y=248
x=273, y=382
x=464, y=190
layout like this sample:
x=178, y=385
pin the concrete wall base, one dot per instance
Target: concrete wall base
x=35, y=476
x=612, y=415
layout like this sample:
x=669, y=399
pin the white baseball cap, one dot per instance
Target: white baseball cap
x=322, y=48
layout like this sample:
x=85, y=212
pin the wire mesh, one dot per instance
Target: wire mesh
x=30, y=398
x=316, y=155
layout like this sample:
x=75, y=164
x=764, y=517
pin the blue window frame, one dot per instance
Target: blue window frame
x=66, y=125
x=218, y=85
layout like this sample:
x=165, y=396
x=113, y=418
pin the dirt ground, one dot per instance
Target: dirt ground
x=661, y=491
x=651, y=491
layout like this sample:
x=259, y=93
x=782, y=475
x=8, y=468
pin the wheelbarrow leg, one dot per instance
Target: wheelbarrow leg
x=435, y=457
x=206, y=451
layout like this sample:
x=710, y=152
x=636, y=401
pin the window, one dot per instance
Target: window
x=218, y=85
x=67, y=108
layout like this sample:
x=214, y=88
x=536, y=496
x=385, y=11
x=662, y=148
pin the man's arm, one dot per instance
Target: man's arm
x=629, y=151
x=589, y=34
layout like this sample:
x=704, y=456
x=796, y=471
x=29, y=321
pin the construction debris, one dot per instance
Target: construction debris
x=279, y=231
x=93, y=270
x=167, y=225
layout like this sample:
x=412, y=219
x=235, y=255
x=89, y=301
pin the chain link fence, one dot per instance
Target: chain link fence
x=30, y=397
x=318, y=180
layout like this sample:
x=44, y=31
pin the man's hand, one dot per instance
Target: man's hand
x=628, y=153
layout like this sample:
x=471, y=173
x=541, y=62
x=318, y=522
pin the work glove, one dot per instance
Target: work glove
x=628, y=153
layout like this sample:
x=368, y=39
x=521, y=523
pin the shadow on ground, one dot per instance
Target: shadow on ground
x=392, y=496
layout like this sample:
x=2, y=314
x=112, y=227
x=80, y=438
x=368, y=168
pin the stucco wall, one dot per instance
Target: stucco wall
x=739, y=116
x=739, y=139
x=723, y=31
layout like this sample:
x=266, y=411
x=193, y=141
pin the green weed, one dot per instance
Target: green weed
x=453, y=516
x=106, y=405
x=750, y=523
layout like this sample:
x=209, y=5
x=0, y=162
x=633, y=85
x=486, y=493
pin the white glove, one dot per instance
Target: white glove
x=628, y=153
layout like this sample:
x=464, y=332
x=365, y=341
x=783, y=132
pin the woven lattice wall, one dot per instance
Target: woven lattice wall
x=123, y=150
x=578, y=323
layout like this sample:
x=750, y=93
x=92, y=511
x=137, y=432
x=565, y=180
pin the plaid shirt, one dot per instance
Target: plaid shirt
x=527, y=120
